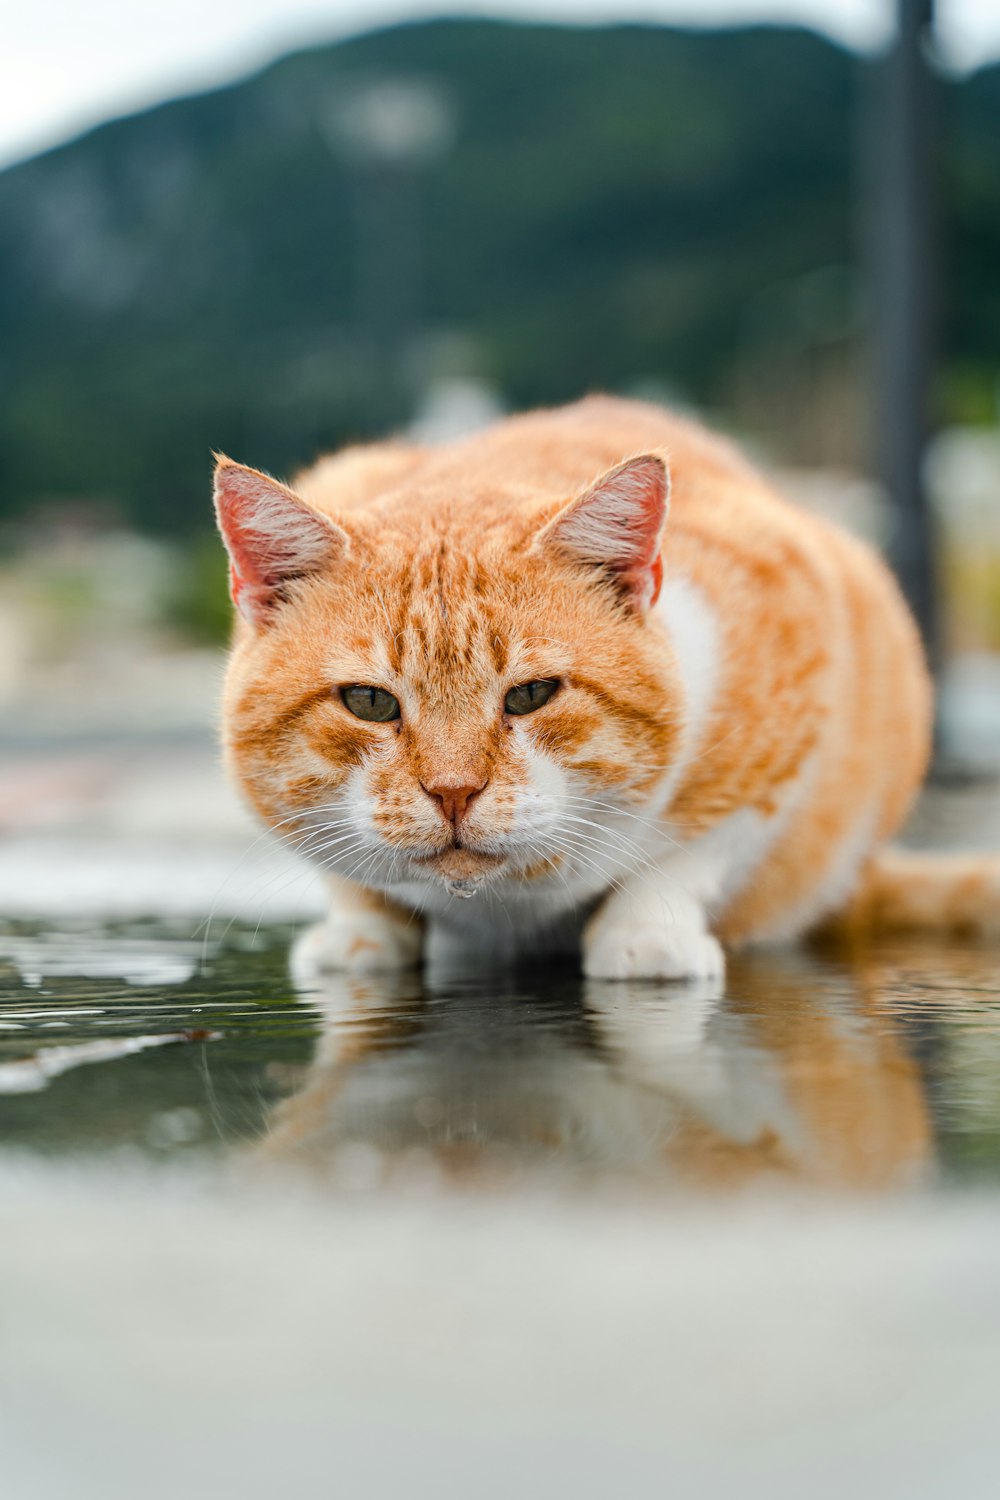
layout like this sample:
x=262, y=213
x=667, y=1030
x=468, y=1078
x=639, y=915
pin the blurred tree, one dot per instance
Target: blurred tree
x=610, y=208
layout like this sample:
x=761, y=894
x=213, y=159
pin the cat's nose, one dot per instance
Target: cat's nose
x=454, y=799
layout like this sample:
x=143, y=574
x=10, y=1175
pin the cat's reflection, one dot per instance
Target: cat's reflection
x=793, y=1073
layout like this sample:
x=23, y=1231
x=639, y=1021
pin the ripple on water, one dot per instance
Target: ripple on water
x=871, y=1070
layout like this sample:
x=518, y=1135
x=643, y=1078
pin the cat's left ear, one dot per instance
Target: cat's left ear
x=271, y=535
x=617, y=525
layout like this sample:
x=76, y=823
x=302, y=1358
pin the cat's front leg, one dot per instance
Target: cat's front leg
x=654, y=926
x=364, y=933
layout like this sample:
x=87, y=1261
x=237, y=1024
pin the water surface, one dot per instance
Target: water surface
x=871, y=1070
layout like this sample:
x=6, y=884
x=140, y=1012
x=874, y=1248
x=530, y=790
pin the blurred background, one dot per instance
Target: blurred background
x=273, y=234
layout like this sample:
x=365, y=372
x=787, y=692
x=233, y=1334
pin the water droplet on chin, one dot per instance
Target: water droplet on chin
x=463, y=888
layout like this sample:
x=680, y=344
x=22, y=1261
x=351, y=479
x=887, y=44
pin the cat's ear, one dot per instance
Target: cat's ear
x=272, y=537
x=617, y=525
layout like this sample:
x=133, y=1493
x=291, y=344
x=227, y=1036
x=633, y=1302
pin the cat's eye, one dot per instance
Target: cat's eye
x=372, y=703
x=529, y=696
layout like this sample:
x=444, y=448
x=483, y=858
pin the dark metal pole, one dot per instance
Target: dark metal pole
x=904, y=301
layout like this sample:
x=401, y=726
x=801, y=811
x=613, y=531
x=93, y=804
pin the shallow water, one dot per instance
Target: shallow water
x=872, y=1070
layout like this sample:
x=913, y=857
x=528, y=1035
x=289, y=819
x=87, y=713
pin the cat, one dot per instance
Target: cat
x=513, y=707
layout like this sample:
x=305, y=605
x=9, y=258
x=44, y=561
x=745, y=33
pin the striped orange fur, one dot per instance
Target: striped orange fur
x=721, y=761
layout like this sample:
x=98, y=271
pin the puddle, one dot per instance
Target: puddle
x=876, y=1071
x=105, y=1036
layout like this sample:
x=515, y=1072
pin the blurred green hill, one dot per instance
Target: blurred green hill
x=268, y=270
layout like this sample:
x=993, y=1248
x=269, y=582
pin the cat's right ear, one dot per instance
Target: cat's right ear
x=272, y=537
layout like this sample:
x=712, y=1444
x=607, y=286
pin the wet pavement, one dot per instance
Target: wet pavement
x=509, y=1233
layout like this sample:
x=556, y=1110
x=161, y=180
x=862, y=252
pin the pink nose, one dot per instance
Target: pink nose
x=454, y=800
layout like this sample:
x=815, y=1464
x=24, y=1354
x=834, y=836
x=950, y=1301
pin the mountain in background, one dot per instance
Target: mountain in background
x=276, y=267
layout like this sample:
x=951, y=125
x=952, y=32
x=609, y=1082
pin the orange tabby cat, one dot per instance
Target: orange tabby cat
x=496, y=670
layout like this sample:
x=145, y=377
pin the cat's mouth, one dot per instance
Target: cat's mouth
x=460, y=863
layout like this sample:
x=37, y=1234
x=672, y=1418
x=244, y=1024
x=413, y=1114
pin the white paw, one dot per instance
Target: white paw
x=652, y=950
x=357, y=942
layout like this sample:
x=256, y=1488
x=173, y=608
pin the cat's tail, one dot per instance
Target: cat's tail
x=904, y=891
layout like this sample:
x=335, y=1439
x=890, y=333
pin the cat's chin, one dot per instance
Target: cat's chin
x=461, y=864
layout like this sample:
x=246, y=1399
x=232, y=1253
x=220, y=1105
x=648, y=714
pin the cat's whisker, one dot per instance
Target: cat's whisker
x=604, y=828
x=625, y=852
x=273, y=830
x=337, y=851
x=272, y=885
x=599, y=835
x=334, y=857
x=268, y=884
x=317, y=840
x=281, y=881
x=309, y=875
x=367, y=861
x=576, y=852
x=207, y=921
x=710, y=748
x=652, y=825
x=314, y=824
x=601, y=856
x=305, y=814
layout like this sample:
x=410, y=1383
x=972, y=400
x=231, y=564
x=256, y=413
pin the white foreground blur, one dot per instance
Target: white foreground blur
x=192, y=1336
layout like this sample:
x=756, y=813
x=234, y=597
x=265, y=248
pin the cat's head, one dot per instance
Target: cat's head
x=437, y=690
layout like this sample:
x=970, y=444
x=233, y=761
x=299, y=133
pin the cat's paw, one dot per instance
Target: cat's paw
x=652, y=950
x=357, y=942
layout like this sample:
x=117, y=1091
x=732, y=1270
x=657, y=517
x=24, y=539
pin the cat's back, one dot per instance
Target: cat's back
x=557, y=452
x=551, y=453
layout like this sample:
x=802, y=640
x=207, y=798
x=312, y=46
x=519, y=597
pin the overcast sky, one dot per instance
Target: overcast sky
x=65, y=65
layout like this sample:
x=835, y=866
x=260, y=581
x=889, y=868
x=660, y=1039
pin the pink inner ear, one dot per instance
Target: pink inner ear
x=642, y=485
x=618, y=524
x=270, y=534
x=655, y=581
x=244, y=592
